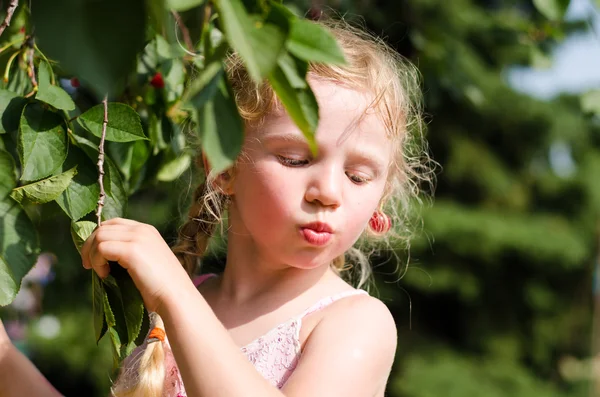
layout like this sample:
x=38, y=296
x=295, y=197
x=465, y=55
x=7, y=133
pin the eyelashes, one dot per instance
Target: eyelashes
x=298, y=163
x=290, y=162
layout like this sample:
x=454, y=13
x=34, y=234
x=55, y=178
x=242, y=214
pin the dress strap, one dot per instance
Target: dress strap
x=202, y=278
x=330, y=299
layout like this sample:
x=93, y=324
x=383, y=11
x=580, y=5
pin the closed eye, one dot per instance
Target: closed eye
x=289, y=162
x=357, y=179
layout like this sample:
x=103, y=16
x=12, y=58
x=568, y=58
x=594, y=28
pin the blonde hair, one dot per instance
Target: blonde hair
x=394, y=82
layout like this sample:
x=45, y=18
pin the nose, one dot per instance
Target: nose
x=325, y=186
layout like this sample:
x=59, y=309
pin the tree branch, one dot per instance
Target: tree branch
x=12, y=6
x=184, y=31
x=101, y=162
x=31, y=68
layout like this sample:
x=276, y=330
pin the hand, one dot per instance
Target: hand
x=5, y=342
x=141, y=250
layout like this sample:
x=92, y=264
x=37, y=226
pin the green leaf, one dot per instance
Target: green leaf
x=129, y=157
x=221, y=128
x=81, y=196
x=80, y=231
x=300, y=103
x=97, y=41
x=144, y=329
x=49, y=93
x=184, y=5
x=42, y=142
x=174, y=168
x=126, y=303
x=98, y=312
x=45, y=190
x=116, y=346
x=314, y=43
x=552, y=9
x=11, y=107
x=123, y=125
x=590, y=102
x=19, y=248
x=8, y=178
x=205, y=86
x=115, y=202
x=259, y=44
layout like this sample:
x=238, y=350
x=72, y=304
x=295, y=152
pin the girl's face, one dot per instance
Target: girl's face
x=300, y=210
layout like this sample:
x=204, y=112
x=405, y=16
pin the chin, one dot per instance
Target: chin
x=311, y=260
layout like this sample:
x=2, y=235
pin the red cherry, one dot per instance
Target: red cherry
x=157, y=81
x=75, y=82
x=380, y=223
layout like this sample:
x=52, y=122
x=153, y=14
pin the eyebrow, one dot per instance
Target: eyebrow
x=293, y=138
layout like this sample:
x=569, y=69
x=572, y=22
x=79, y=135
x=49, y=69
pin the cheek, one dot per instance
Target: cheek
x=265, y=192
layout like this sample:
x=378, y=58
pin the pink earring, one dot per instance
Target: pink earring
x=380, y=223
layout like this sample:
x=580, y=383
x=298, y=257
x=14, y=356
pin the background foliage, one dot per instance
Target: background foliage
x=497, y=299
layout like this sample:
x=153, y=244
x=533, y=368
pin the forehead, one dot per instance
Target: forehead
x=346, y=118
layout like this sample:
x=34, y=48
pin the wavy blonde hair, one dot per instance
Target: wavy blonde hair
x=394, y=83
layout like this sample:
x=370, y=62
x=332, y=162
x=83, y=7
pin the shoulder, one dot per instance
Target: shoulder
x=363, y=317
x=355, y=339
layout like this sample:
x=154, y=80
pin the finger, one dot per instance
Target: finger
x=85, y=250
x=114, y=251
x=118, y=234
x=105, y=233
x=120, y=221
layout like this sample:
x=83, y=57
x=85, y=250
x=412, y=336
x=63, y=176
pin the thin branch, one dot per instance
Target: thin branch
x=184, y=31
x=12, y=6
x=101, y=162
x=31, y=68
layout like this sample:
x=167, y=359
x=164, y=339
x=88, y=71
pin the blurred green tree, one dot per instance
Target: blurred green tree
x=497, y=296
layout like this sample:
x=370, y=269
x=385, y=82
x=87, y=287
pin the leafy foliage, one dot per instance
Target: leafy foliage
x=89, y=50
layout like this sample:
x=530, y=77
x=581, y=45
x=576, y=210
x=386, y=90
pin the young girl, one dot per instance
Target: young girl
x=282, y=318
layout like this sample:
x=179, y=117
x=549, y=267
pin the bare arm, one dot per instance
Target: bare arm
x=18, y=376
x=356, y=341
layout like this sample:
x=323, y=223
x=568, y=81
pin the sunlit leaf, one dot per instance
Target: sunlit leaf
x=312, y=42
x=174, y=168
x=80, y=231
x=259, y=44
x=52, y=94
x=42, y=142
x=123, y=125
x=46, y=190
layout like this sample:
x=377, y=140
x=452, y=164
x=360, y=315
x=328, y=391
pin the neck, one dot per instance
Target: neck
x=250, y=273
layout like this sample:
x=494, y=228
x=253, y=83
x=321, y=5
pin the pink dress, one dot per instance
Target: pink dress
x=274, y=354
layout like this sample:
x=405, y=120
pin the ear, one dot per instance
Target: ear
x=223, y=181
